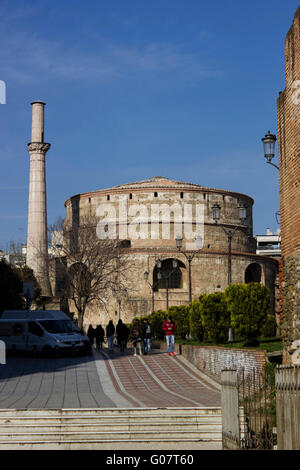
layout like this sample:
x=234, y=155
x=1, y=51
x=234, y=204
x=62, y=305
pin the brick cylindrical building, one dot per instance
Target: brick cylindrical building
x=149, y=215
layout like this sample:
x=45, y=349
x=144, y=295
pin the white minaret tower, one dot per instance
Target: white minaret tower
x=37, y=243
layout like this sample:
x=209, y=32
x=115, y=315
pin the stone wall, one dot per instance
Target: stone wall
x=209, y=274
x=209, y=267
x=290, y=325
x=212, y=359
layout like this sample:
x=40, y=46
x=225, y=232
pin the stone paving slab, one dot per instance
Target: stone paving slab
x=70, y=382
x=104, y=380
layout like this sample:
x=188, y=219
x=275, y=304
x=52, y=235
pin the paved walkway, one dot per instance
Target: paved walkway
x=105, y=380
x=157, y=380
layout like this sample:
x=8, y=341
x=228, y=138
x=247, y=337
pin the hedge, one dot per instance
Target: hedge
x=245, y=307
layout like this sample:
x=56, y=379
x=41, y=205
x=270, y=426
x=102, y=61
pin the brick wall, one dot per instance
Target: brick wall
x=289, y=162
x=288, y=141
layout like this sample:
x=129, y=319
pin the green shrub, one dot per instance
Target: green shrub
x=270, y=327
x=248, y=305
x=156, y=320
x=215, y=316
x=11, y=288
x=196, y=327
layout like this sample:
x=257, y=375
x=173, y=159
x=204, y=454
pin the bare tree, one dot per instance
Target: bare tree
x=89, y=268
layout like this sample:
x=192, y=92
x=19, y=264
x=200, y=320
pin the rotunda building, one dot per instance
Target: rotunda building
x=183, y=240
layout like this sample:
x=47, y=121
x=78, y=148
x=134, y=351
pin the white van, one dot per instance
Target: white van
x=46, y=331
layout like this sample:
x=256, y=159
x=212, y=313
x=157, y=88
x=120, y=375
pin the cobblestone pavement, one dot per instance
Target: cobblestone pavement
x=104, y=380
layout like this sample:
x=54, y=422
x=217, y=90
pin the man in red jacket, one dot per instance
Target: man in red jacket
x=169, y=328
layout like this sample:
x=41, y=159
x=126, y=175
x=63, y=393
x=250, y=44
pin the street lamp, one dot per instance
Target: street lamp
x=269, y=142
x=161, y=274
x=189, y=259
x=119, y=293
x=216, y=213
x=146, y=276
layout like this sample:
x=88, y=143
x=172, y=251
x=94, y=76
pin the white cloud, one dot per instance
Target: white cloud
x=26, y=57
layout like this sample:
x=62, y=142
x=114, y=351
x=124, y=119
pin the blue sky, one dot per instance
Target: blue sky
x=134, y=89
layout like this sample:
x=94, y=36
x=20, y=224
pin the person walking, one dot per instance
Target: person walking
x=146, y=336
x=99, y=336
x=91, y=334
x=110, y=333
x=169, y=328
x=121, y=332
x=136, y=339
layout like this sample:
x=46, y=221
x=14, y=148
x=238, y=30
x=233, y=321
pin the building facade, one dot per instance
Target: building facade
x=147, y=217
x=269, y=244
x=289, y=165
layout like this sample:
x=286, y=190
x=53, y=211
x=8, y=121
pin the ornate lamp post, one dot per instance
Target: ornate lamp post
x=119, y=294
x=146, y=277
x=269, y=142
x=161, y=274
x=216, y=211
x=199, y=243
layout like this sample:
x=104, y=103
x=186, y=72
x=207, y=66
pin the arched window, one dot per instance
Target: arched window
x=171, y=277
x=253, y=273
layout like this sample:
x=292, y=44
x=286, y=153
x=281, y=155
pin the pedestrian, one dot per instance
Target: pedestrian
x=122, y=335
x=119, y=331
x=169, y=328
x=99, y=336
x=110, y=333
x=146, y=336
x=136, y=339
x=91, y=334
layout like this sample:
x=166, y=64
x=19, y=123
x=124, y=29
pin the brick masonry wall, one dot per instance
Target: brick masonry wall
x=212, y=360
x=289, y=164
x=288, y=141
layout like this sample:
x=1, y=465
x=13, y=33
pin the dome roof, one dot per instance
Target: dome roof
x=157, y=182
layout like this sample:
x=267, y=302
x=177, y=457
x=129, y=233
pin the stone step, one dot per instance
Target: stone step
x=110, y=435
x=102, y=420
x=140, y=426
x=47, y=413
x=96, y=444
x=90, y=427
